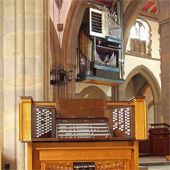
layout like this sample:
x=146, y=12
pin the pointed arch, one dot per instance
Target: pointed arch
x=71, y=30
x=130, y=16
x=152, y=81
x=69, y=41
x=94, y=91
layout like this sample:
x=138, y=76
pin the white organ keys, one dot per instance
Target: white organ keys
x=82, y=130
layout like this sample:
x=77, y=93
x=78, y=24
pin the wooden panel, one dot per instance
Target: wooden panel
x=144, y=147
x=55, y=154
x=146, y=120
x=80, y=108
x=159, y=136
x=84, y=154
x=160, y=145
x=44, y=104
x=136, y=155
x=29, y=156
x=42, y=145
x=140, y=118
x=65, y=165
x=106, y=82
x=25, y=119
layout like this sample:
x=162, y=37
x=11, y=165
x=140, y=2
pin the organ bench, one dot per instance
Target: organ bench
x=73, y=134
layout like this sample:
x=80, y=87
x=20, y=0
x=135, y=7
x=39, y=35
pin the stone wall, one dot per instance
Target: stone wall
x=22, y=56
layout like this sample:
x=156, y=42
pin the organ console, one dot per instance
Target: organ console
x=72, y=134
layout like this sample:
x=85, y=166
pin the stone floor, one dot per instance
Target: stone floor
x=164, y=167
x=154, y=163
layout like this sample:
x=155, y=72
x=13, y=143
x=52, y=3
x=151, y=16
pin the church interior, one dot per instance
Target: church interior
x=84, y=85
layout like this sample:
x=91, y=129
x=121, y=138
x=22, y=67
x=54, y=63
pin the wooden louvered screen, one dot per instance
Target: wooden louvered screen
x=96, y=23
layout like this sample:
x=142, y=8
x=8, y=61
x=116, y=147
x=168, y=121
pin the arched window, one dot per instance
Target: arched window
x=140, y=38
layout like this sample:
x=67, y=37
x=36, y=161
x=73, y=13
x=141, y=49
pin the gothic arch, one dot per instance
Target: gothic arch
x=69, y=41
x=130, y=16
x=52, y=60
x=71, y=31
x=148, y=45
x=93, y=91
x=152, y=81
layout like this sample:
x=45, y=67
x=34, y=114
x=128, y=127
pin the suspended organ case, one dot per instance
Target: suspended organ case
x=82, y=133
x=99, y=53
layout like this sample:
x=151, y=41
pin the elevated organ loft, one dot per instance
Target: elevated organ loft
x=99, y=52
x=75, y=134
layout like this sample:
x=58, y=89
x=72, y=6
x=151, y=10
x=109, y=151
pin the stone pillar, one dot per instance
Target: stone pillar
x=115, y=93
x=30, y=48
x=164, y=30
x=39, y=49
x=20, y=76
x=121, y=92
x=21, y=69
x=1, y=76
x=157, y=111
x=9, y=48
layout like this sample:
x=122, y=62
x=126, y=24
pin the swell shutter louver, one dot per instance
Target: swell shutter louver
x=96, y=23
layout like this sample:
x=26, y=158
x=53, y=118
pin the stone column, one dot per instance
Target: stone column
x=21, y=69
x=121, y=92
x=1, y=76
x=9, y=54
x=115, y=93
x=157, y=111
x=20, y=76
x=30, y=48
x=164, y=30
x=39, y=50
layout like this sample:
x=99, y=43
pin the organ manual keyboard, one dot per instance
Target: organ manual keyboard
x=72, y=134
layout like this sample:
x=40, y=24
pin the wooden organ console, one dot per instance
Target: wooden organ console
x=82, y=134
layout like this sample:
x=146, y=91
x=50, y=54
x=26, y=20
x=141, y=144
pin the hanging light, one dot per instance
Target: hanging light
x=60, y=77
